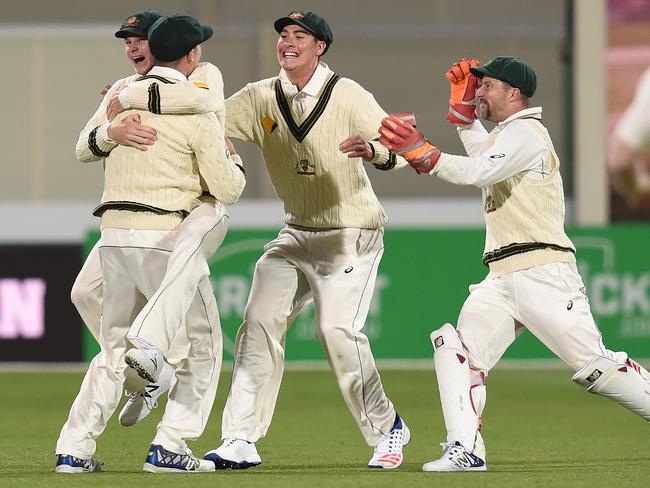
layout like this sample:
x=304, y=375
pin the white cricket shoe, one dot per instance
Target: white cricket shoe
x=160, y=460
x=455, y=458
x=388, y=453
x=147, y=364
x=234, y=454
x=141, y=403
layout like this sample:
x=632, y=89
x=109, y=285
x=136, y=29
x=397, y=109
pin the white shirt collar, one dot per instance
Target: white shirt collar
x=527, y=112
x=167, y=72
x=314, y=84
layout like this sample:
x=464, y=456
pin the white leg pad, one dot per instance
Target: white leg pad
x=620, y=381
x=454, y=384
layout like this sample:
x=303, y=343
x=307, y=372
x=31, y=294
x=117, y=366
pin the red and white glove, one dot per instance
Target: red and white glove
x=398, y=134
x=463, y=92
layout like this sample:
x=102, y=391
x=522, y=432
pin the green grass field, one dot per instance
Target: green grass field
x=540, y=430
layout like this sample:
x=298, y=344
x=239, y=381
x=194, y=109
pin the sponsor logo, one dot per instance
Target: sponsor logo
x=497, y=156
x=594, y=376
x=569, y=305
x=438, y=341
x=348, y=269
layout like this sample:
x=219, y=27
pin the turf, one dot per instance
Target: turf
x=539, y=428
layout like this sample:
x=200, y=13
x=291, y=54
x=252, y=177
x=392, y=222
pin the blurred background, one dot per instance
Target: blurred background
x=589, y=56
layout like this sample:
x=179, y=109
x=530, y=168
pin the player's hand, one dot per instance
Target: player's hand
x=129, y=131
x=104, y=90
x=357, y=147
x=402, y=138
x=114, y=106
x=463, y=92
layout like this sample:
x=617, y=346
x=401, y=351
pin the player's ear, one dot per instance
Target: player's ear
x=320, y=47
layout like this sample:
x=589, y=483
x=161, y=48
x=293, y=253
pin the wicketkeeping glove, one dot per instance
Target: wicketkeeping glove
x=463, y=91
x=399, y=136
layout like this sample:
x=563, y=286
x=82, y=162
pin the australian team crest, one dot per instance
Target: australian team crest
x=131, y=21
x=305, y=167
x=296, y=15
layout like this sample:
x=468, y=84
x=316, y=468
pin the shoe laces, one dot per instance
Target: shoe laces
x=391, y=443
x=146, y=397
x=229, y=442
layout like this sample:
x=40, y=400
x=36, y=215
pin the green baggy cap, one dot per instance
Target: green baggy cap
x=511, y=70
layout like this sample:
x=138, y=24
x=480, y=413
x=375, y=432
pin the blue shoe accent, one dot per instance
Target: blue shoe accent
x=398, y=422
x=70, y=464
x=220, y=463
x=160, y=460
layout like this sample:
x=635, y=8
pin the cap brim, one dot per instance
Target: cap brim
x=128, y=32
x=207, y=32
x=480, y=71
x=281, y=23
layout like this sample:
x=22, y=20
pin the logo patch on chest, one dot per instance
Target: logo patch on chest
x=305, y=167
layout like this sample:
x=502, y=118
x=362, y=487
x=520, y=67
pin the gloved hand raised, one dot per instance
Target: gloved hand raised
x=399, y=135
x=463, y=91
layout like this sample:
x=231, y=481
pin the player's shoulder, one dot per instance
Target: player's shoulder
x=349, y=84
x=207, y=73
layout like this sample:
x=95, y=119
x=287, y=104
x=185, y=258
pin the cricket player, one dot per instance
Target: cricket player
x=533, y=281
x=146, y=196
x=629, y=151
x=313, y=127
x=200, y=233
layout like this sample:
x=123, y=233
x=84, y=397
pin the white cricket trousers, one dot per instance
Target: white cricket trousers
x=133, y=266
x=550, y=301
x=338, y=268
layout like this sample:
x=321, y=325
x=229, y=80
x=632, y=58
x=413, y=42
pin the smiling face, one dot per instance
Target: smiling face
x=137, y=51
x=298, y=51
x=496, y=99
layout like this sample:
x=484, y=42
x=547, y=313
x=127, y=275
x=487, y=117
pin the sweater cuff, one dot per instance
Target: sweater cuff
x=383, y=159
x=99, y=143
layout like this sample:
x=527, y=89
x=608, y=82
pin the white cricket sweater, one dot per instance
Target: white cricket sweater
x=518, y=170
x=321, y=187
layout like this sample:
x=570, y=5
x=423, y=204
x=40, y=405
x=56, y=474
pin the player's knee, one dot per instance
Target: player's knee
x=80, y=294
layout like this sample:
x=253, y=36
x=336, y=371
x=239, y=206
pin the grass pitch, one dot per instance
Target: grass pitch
x=540, y=430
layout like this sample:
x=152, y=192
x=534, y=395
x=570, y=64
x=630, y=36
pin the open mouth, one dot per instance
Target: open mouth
x=290, y=54
x=138, y=59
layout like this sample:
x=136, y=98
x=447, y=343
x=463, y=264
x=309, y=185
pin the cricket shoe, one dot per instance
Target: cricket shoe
x=456, y=458
x=144, y=367
x=234, y=454
x=70, y=464
x=160, y=460
x=141, y=403
x=388, y=453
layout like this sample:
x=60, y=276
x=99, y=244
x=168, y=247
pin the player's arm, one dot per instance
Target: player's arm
x=516, y=150
x=202, y=93
x=222, y=171
x=242, y=120
x=94, y=143
x=363, y=142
